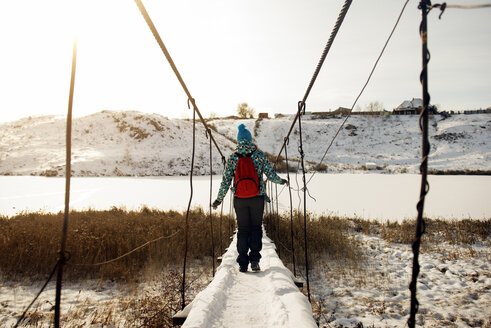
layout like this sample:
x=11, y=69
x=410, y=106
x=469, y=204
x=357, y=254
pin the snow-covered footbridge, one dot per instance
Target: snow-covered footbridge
x=268, y=298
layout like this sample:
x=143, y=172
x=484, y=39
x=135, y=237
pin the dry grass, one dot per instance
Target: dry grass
x=454, y=232
x=328, y=237
x=30, y=242
x=331, y=238
x=280, y=166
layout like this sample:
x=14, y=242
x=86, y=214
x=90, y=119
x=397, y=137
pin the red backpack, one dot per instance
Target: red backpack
x=246, y=181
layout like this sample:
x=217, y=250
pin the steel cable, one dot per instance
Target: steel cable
x=157, y=37
x=363, y=88
x=339, y=22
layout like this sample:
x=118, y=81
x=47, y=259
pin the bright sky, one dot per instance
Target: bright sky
x=262, y=52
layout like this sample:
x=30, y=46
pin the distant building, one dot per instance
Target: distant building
x=262, y=115
x=414, y=106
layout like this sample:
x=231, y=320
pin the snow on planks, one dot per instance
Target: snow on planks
x=264, y=299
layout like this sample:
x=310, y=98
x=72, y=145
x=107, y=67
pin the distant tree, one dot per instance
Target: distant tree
x=213, y=115
x=375, y=106
x=244, y=111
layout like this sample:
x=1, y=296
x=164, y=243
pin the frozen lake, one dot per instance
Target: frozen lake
x=370, y=196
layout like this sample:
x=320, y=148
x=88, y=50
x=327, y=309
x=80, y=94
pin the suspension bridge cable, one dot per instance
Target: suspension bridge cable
x=423, y=124
x=364, y=86
x=339, y=22
x=61, y=255
x=157, y=37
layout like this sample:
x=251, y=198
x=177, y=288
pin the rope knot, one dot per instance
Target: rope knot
x=64, y=257
x=301, y=107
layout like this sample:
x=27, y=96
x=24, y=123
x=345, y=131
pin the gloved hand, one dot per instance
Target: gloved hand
x=215, y=204
x=284, y=181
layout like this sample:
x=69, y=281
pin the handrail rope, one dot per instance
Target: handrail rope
x=157, y=37
x=186, y=227
x=339, y=22
x=423, y=124
x=292, y=236
x=68, y=172
x=37, y=296
x=208, y=132
x=363, y=88
x=301, y=109
x=130, y=252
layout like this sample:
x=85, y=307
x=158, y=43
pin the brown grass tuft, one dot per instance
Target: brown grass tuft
x=328, y=237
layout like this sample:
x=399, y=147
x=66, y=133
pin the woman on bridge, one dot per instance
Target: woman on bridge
x=247, y=166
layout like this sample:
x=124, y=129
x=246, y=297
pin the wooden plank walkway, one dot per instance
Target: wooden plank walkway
x=268, y=298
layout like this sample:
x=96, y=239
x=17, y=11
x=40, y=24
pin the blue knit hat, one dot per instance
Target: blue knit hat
x=243, y=133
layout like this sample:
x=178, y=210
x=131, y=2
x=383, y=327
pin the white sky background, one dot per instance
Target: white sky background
x=262, y=52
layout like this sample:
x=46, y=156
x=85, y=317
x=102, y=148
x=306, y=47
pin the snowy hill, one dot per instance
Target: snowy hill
x=140, y=144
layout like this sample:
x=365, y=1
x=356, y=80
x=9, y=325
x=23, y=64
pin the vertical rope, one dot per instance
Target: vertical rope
x=211, y=216
x=301, y=110
x=423, y=124
x=221, y=232
x=186, y=227
x=68, y=172
x=277, y=216
x=287, y=141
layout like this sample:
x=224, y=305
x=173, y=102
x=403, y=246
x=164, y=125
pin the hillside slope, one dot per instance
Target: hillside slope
x=140, y=144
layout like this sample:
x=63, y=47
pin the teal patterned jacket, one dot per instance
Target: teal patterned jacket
x=261, y=164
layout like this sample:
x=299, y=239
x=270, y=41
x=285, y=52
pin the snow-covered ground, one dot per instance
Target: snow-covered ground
x=453, y=291
x=453, y=287
x=138, y=144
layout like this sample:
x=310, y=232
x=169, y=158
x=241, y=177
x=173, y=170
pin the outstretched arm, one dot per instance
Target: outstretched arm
x=269, y=170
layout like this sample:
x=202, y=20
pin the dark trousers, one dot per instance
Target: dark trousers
x=249, y=222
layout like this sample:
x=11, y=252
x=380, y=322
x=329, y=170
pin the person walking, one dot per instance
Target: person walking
x=246, y=167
